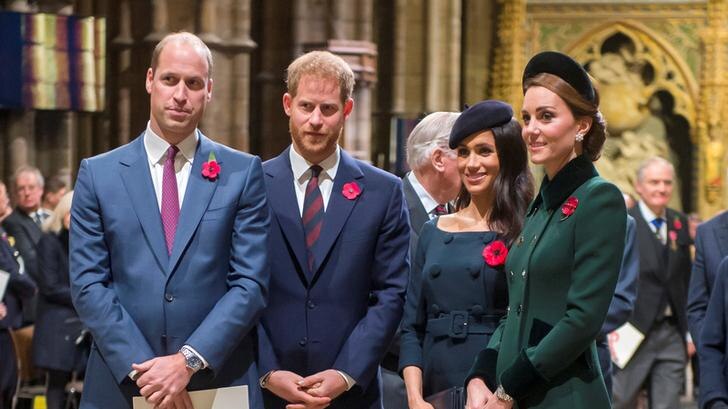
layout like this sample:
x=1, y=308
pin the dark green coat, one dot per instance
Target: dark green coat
x=561, y=273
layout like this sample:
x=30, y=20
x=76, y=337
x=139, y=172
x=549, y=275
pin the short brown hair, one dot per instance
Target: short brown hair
x=183, y=37
x=580, y=108
x=321, y=64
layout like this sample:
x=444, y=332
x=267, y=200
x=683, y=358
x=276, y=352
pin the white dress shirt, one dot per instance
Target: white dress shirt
x=427, y=201
x=302, y=173
x=156, y=149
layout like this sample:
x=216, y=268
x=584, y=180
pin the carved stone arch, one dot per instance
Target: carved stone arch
x=649, y=98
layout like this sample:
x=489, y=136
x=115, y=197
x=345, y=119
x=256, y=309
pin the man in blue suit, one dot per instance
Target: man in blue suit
x=713, y=345
x=169, y=266
x=711, y=245
x=339, y=253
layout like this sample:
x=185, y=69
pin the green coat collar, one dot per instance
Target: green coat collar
x=573, y=175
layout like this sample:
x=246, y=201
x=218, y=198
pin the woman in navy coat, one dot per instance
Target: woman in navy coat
x=57, y=326
x=457, y=290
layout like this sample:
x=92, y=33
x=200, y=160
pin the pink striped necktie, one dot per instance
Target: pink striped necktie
x=313, y=213
x=170, y=198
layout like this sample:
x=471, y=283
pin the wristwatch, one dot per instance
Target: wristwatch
x=192, y=361
x=501, y=394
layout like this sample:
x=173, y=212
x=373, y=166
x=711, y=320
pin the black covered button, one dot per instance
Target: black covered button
x=474, y=272
x=311, y=304
x=169, y=297
x=435, y=309
x=435, y=271
x=303, y=342
x=447, y=239
x=476, y=309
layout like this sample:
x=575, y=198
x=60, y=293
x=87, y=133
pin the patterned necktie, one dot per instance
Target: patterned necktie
x=313, y=213
x=440, y=210
x=170, y=198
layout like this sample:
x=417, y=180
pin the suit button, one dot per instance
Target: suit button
x=169, y=297
x=303, y=342
x=311, y=304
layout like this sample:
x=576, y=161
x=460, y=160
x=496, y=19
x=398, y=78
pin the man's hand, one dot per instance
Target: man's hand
x=285, y=385
x=179, y=401
x=3, y=310
x=161, y=377
x=478, y=394
x=690, y=349
x=328, y=383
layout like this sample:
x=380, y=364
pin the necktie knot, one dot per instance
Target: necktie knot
x=172, y=152
x=315, y=171
x=440, y=210
x=657, y=222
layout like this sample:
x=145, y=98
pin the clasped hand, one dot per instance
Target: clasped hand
x=163, y=381
x=313, y=392
x=480, y=397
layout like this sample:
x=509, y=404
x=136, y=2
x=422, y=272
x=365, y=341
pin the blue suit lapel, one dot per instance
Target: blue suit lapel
x=197, y=197
x=138, y=183
x=721, y=234
x=338, y=209
x=285, y=206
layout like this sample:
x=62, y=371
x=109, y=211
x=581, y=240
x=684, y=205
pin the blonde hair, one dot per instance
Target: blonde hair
x=54, y=224
x=321, y=64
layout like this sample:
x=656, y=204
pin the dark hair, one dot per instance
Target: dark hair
x=513, y=186
x=580, y=108
x=53, y=185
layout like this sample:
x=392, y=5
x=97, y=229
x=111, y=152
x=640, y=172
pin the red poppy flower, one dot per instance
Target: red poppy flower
x=569, y=206
x=677, y=224
x=495, y=253
x=210, y=169
x=351, y=190
x=673, y=235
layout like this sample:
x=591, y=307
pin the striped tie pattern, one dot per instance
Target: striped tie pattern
x=313, y=213
x=170, y=198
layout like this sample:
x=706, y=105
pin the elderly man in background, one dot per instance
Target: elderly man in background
x=429, y=187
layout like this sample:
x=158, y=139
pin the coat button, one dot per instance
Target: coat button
x=435, y=309
x=519, y=309
x=169, y=297
x=476, y=309
x=447, y=239
x=311, y=304
x=474, y=272
x=303, y=342
x=435, y=271
x=523, y=274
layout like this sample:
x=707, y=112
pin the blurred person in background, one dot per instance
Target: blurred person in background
x=59, y=346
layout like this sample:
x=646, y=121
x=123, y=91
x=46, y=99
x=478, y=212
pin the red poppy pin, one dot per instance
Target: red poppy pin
x=211, y=169
x=568, y=208
x=495, y=253
x=677, y=224
x=351, y=190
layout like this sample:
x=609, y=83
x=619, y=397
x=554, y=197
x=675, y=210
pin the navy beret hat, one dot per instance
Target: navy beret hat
x=562, y=66
x=479, y=117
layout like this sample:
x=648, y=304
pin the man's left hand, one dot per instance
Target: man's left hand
x=328, y=383
x=162, y=376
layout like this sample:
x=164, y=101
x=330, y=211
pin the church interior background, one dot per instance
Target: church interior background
x=661, y=67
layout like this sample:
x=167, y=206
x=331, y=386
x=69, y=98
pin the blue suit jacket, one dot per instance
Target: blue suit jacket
x=713, y=346
x=138, y=301
x=343, y=314
x=711, y=245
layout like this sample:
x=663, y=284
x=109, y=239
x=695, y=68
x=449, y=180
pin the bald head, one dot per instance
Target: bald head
x=187, y=38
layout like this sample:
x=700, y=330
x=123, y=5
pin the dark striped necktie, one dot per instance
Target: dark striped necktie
x=313, y=213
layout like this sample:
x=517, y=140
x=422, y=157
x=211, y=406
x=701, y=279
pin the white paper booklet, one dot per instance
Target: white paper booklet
x=623, y=343
x=234, y=397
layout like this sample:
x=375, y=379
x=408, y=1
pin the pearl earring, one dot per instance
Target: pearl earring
x=579, y=137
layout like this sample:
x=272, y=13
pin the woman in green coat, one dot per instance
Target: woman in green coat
x=563, y=268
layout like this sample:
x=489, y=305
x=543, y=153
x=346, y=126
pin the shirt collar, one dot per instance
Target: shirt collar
x=156, y=147
x=299, y=165
x=427, y=201
x=648, y=214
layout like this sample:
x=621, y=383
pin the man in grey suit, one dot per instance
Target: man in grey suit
x=433, y=182
x=659, y=312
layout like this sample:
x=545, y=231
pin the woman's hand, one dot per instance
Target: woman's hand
x=478, y=395
x=421, y=404
x=498, y=404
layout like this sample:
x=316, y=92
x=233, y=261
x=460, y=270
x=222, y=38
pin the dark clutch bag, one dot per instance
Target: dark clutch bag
x=452, y=398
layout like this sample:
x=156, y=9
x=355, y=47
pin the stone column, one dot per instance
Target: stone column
x=712, y=111
x=510, y=53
